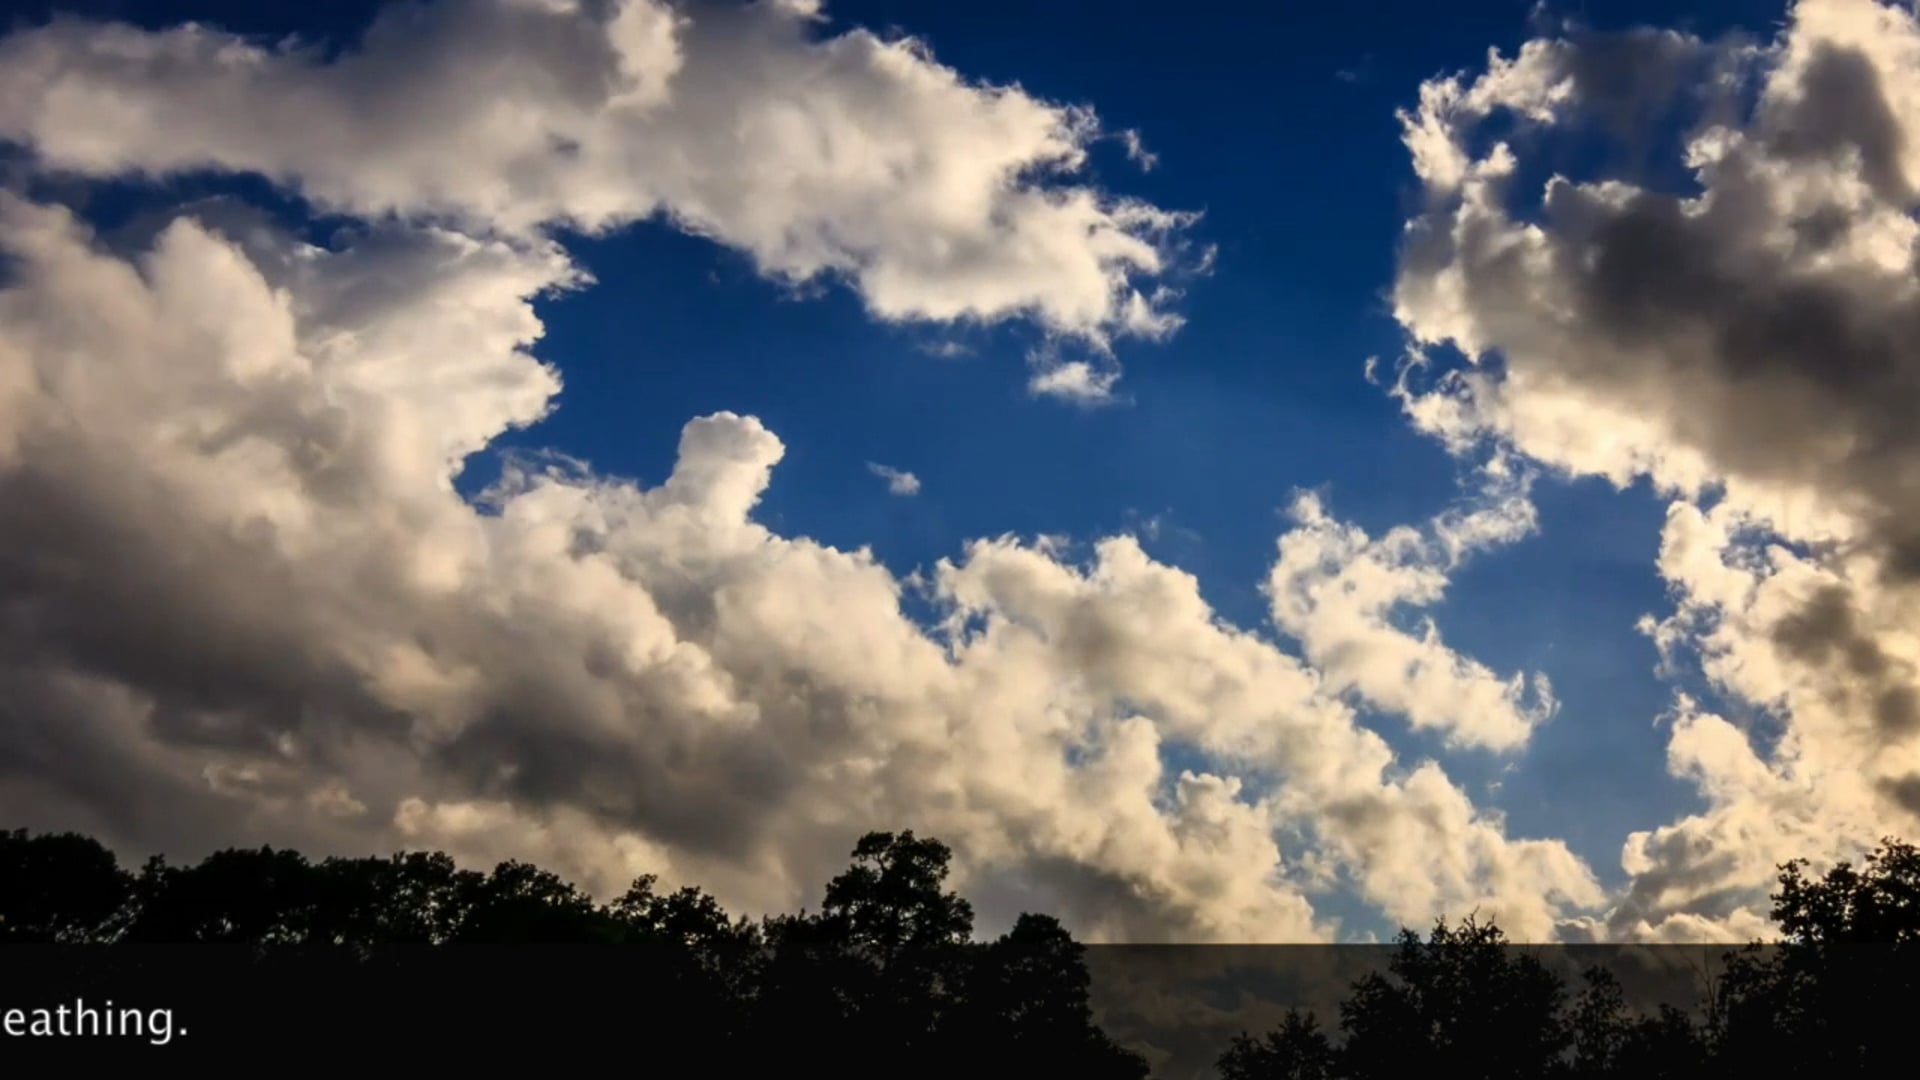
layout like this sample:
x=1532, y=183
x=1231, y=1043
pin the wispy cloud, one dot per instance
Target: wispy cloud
x=1137, y=151
x=899, y=481
x=1357, y=73
x=946, y=350
x=1077, y=382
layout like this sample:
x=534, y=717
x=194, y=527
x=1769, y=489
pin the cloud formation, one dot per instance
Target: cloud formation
x=1335, y=590
x=851, y=155
x=615, y=678
x=240, y=600
x=243, y=603
x=898, y=481
x=1745, y=339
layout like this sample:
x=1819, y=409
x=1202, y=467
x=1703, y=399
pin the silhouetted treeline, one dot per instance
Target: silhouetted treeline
x=1829, y=999
x=887, y=979
x=884, y=979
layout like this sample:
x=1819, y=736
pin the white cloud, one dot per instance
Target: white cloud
x=1137, y=151
x=1743, y=345
x=601, y=677
x=898, y=482
x=937, y=198
x=1078, y=382
x=1335, y=589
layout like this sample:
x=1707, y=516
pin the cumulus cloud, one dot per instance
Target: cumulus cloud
x=852, y=155
x=1336, y=589
x=1078, y=382
x=1744, y=339
x=241, y=600
x=898, y=482
x=243, y=603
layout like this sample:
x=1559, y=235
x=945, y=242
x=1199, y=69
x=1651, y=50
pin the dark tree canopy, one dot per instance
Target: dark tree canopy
x=888, y=978
x=885, y=979
x=1296, y=1050
x=59, y=888
x=1461, y=1002
x=1828, y=1000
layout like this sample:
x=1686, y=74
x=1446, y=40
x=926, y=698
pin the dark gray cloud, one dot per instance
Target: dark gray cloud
x=1826, y=633
x=1782, y=363
x=1843, y=110
x=1905, y=791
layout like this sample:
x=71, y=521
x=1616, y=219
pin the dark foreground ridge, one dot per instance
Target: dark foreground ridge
x=358, y=961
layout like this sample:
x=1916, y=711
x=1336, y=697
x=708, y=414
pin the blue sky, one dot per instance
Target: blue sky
x=1279, y=126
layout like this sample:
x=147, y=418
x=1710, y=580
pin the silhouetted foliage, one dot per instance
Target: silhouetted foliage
x=416, y=898
x=1462, y=1002
x=1296, y=1050
x=886, y=971
x=887, y=978
x=59, y=888
x=1610, y=1041
x=1029, y=999
x=1828, y=1000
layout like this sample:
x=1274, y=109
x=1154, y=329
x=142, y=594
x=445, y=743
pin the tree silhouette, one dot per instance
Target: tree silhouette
x=1825, y=998
x=887, y=978
x=889, y=965
x=891, y=899
x=687, y=917
x=890, y=915
x=1829, y=999
x=1030, y=1000
x=60, y=888
x=522, y=904
x=263, y=897
x=414, y=898
x=1462, y=1001
x=1296, y=1050
x=1610, y=1041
